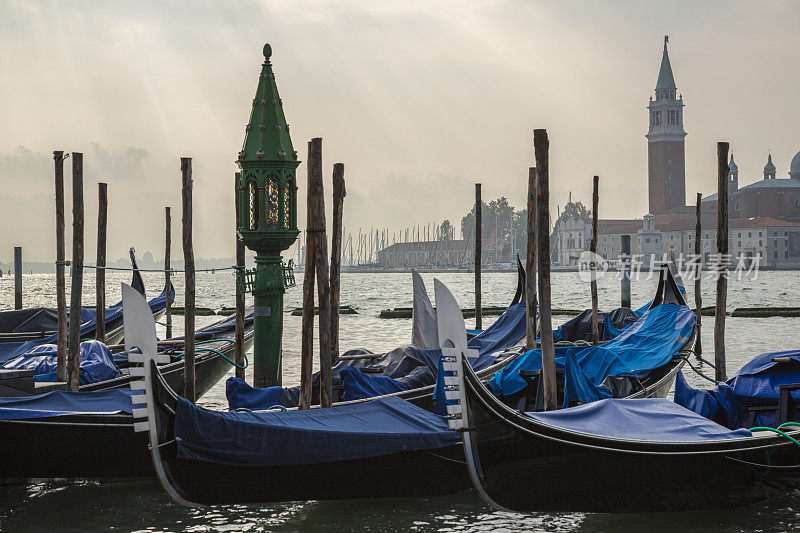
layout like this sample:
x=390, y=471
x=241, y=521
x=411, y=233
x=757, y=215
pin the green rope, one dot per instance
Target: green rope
x=212, y=350
x=778, y=431
x=789, y=424
x=214, y=340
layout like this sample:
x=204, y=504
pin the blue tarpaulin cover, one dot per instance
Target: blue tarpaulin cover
x=506, y=331
x=649, y=343
x=34, y=320
x=243, y=396
x=580, y=326
x=643, y=419
x=358, y=385
x=756, y=384
x=96, y=363
x=9, y=350
x=61, y=403
x=368, y=429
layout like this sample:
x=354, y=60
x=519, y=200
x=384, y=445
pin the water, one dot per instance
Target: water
x=143, y=506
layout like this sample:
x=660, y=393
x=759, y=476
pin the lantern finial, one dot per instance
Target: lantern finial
x=267, y=137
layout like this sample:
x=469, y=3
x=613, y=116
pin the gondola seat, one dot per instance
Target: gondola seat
x=785, y=411
x=531, y=398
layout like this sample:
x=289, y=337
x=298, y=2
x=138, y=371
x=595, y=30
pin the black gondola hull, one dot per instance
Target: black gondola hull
x=527, y=466
x=406, y=474
x=410, y=474
x=415, y=474
x=98, y=446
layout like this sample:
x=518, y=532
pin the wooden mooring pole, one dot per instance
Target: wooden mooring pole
x=317, y=206
x=74, y=342
x=188, y=260
x=625, y=267
x=541, y=145
x=167, y=268
x=239, y=324
x=339, y=192
x=307, y=324
x=61, y=282
x=722, y=262
x=100, y=272
x=18, y=277
x=316, y=266
x=478, y=257
x=530, y=265
x=698, y=297
x=593, y=263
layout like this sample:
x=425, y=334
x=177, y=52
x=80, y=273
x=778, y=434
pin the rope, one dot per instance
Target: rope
x=160, y=270
x=700, y=373
x=706, y=361
x=446, y=458
x=750, y=463
x=778, y=431
x=151, y=447
x=212, y=350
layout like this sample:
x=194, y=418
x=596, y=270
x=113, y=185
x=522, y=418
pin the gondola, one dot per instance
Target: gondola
x=614, y=455
x=213, y=457
x=409, y=372
x=89, y=434
x=41, y=323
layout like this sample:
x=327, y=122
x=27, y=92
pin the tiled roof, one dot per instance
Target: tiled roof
x=773, y=184
x=619, y=226
x=760, y=222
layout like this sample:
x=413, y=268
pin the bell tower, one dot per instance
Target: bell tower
x=665, y=143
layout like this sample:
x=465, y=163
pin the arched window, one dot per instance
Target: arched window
x=288, y=219
x=271, y=203
x=252, y=201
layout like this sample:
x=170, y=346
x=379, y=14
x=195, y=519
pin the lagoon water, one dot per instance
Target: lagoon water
x=143, y=506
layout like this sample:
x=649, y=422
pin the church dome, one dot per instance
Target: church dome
x=794, y=167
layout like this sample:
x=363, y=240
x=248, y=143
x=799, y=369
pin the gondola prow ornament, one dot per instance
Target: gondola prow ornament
x=453, y=340
x=141, y=346
x=268, y=219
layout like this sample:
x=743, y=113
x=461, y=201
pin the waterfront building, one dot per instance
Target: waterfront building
x=764, y=215
x=458, y=253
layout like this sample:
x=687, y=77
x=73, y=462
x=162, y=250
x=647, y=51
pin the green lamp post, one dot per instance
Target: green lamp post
x=268, y=219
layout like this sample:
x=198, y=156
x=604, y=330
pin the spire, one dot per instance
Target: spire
x=733, y=175
x=267, y=134
x=732, y=166
x=769, y=168
x=665, y=78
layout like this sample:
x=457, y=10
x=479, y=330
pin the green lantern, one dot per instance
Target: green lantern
x=268, y=219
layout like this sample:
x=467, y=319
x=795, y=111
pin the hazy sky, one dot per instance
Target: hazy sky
x=419, y=99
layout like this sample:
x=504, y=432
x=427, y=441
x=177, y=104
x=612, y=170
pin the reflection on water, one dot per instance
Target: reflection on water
x=142, y=505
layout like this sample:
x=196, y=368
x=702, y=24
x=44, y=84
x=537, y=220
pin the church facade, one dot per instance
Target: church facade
x=764, y=218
